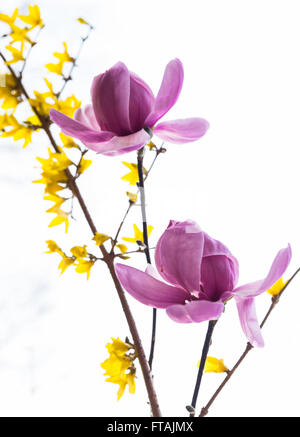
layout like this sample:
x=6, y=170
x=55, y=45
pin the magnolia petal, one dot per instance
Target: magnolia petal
x=217, y=276
x=141, y=102
x=178, y=254
x=101, y=142
x=249, y=323
x=148, y=290
x=74, y=128
x=120, y=145
x=195, y=311
x=277, y=269
x=87, y=117
x=110, y=96
x=181, y=131
x=168, y=93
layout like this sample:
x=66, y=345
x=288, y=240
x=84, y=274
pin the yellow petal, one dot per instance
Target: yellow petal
x=132, y=196
x=82, y=21
x=215, y=365
x=100, y=238
x=84, y=164
x=84, y=267
x=53, y=247
x=79, y=251
x=138, y=234
x=65, y=263
x=133, y=176
x=122, y=248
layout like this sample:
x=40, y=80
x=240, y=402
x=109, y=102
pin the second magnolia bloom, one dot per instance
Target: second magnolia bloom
x=201, y=275
x=124, y=112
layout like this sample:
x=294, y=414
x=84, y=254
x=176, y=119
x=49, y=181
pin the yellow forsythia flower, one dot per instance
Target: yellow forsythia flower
x=68, y=142
x=33, y=18
x=53, y=174
x=9, y=93
x=66, y=260
x=82, y=21
x=84, y=266
x=119, y=366
x=62, y=217
x=9, y=20
x=53, y=247
x=123, y=380
x=65, y=263
x=132, y=196
x=18, y=131
x=100, y=238
x=138, y=235
x=132, y=177
x=122, y=248
x=214, y=365
x=277, y=287
x=62, y=58
x=79, y=251
x=43, y=102
x=83, y=165
x=19, y=34
x=17, y=55
x=151, y=145
x=67, y=106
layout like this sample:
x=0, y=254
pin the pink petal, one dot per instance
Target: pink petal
x=110, y=96
x=249, y=322
x=87, y=117
x=277, y=269
x=181, y=131
x=101, y=142
x=195, y=311
x=219, y=269
x=218, y=276
x=178, y=254
x=148, y=290
x=168, y=93
x=141, y=102
x=75, y=129
x=120, y=145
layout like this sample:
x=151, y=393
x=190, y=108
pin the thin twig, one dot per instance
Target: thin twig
x=211, y=325
x=249, y=347
x=140, y=157
x=115, y=240
x=29, y=51
x=69, y=76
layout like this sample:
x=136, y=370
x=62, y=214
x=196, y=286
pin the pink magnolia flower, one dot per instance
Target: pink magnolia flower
x=124, y=112
x=201, y=274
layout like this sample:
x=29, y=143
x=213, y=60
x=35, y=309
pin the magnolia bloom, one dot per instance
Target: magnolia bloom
x=124, y=112
x=201, y=275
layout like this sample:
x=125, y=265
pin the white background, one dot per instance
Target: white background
x=239, y=182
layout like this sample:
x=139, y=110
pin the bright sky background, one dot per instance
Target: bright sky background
x=240, y=182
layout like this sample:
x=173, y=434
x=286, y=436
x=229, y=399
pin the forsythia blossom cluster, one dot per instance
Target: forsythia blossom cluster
x=55, y=179
x=12, y=94
x=80, y=258
x=119, y=366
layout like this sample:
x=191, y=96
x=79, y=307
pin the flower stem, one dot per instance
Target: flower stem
x=249, y=347
x=140, y=157
x=211, y=324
